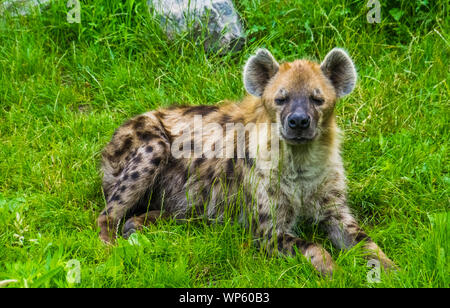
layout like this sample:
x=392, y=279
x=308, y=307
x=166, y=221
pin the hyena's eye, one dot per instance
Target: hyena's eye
x=317, y=100
x=281, y=100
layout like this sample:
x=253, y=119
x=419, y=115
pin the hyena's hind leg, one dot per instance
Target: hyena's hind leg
x=136, y=223
x=136, y=178
x=142, y=166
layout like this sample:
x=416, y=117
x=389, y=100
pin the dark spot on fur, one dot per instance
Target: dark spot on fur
x=195, y=147
x=123, y=188
x=165, y=133
x=162, y=144
x=263, y=217
x=235, y=154
x=125, y=147
x=338, y=216
x=250, y=162
x=200, y=110
x=198, y=162
x=149, y=149
x=135, y=175
x=337, y=194
x=327, y=214
x=303, y=245
x=210, y=173
x=137, y=159
x=139, y=122
x=224, y=119
x=361, y=236
x=115, y=197
x=159, y=114
x=352, y=226
x=156, y=161
x=107, y=156
x=289, y=239
x=280, y=243
x=230, y=168
x=146, y=135
x=325, y=200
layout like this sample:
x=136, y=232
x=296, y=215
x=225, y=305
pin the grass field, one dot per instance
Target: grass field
x=65, y=88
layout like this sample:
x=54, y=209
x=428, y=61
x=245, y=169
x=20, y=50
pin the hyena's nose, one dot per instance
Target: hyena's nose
x=299, y=120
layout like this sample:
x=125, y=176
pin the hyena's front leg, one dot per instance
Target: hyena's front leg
x=272, y=226
x=136, y=223
x=136, y=178
x=288, y=244
x=344, y=232
x=315, y=253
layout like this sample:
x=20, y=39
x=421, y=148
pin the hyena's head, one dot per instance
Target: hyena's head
x=300, y=95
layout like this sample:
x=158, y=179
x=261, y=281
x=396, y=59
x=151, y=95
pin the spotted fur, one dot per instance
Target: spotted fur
x=143, y=181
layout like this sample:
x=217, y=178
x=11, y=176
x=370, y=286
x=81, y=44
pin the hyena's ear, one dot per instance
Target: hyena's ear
x=339, y=68
x=258, y=70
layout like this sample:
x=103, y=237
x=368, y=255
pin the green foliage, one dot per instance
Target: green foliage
x=64, y=89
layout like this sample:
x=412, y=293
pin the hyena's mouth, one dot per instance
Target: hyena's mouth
x=298, y=139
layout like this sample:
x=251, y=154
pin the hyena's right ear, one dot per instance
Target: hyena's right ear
x=258, y=70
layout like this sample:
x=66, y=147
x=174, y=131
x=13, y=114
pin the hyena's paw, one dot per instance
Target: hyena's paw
x=316, y=254
x=136, y=223
x=389, y=265
x=107, y=231
x=377, y=254
x=107, y=238
x=321, y=260
x=131, y=226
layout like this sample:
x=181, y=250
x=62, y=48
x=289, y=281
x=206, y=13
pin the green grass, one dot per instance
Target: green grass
x=64, y=88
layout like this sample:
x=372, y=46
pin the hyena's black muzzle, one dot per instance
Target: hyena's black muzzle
x=297, y=121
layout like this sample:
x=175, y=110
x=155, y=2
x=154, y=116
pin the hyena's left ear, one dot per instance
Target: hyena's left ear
x=258, y=70
x=339, y=68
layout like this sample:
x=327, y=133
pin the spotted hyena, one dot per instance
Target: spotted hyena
x=144, y=181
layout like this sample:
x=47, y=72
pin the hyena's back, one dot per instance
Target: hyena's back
x=141, y=174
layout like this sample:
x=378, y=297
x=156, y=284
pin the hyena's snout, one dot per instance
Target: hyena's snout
x=298, y=123
x=299, y=120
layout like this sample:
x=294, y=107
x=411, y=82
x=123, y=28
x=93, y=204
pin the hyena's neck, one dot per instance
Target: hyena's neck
x=253, y=111
x=314, y=158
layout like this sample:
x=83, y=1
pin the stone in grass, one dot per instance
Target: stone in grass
x=22, y=7
x=217, y=18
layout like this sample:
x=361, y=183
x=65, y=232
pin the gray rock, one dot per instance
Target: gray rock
x=21, y=7
x=217, y=17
